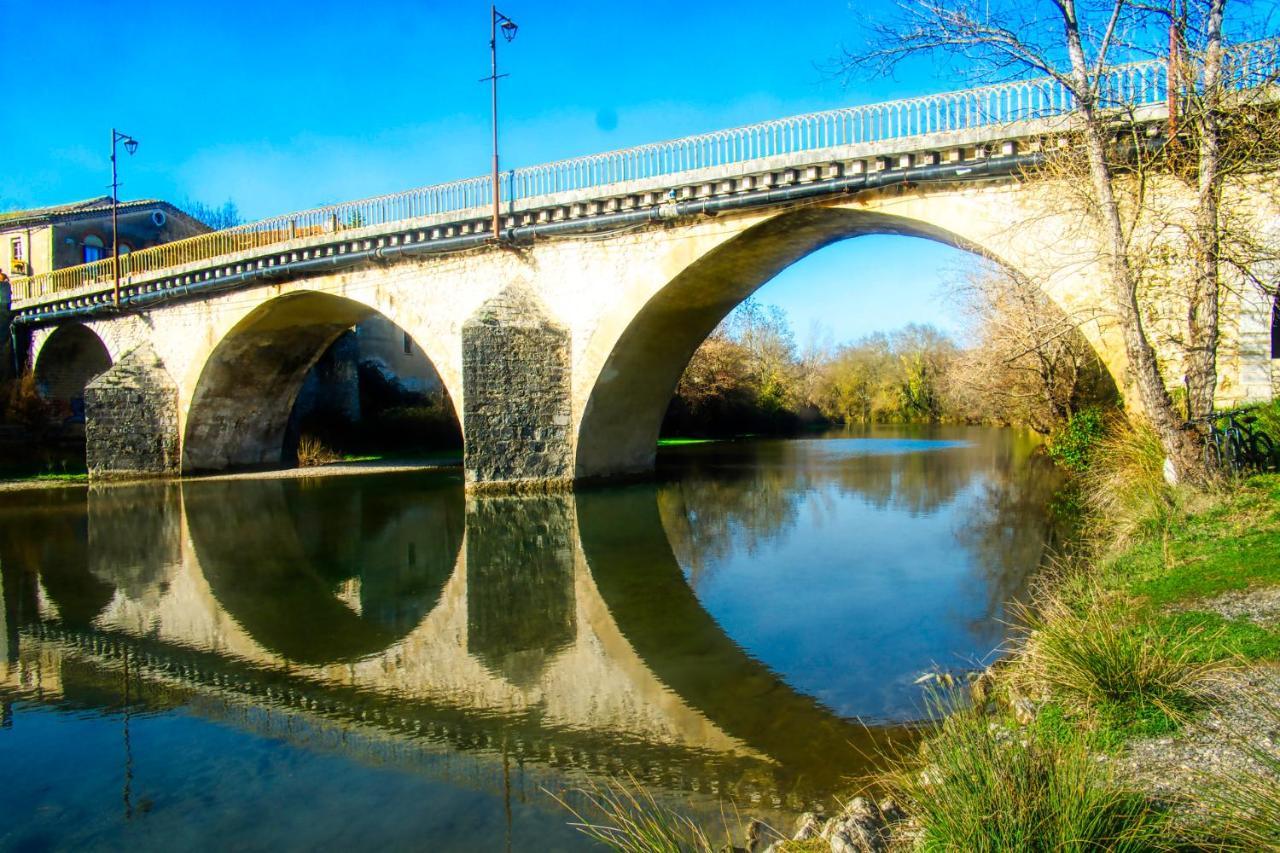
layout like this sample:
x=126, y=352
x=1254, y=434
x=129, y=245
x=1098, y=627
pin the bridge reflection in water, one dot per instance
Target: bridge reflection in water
x=395, y=620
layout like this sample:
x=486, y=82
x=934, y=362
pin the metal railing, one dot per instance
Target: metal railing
x=1133, y=85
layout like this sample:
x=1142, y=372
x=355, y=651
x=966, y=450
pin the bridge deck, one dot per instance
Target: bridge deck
x=961, y=125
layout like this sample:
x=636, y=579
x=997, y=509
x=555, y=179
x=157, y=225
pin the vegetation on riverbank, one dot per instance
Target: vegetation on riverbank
x=1126, y=646
x=1023, y=362
x=1125, y=655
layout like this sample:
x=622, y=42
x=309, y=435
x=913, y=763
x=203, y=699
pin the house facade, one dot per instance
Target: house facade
x=49, y=238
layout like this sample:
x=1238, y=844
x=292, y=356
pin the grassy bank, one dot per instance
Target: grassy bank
x=1137, y=707
x=1133, y=653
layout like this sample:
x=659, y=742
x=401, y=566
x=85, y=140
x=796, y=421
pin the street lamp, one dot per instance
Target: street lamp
x=130, y=145
x=497, y=21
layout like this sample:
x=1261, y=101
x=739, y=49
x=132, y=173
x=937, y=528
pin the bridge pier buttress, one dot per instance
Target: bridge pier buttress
x=517, y=396
x=131, y=420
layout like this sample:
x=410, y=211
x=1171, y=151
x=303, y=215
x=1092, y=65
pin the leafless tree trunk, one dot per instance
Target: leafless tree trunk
x=1202, y=312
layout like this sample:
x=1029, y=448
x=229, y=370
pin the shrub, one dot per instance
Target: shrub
x=1073, y=447
x=1124, y=487
x=24, y=405
x=1125, y=674
x=987, y=787
x=312, y=452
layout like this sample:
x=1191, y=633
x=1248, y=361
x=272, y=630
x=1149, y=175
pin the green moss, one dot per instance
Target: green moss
x=679, y=442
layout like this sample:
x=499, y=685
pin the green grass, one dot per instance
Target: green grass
x=983, y=785
x=623, y=815
x=47, y=477
x=1118, y=674
x=1232, y=546
x=72, y=477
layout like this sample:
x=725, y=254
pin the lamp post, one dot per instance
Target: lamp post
x=130, y=145
x=497, y=21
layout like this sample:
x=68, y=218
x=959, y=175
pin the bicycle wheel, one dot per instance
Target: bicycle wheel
x=1263, y=451
x=1236, y=452
x=1213, y=454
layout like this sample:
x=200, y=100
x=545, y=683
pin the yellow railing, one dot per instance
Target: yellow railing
x=255, y=235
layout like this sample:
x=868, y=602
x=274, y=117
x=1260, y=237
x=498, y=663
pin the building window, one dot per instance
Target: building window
x=15, y=250
x=1275, y=327
x=125, y=248
x=408, y=344
x=93, y=249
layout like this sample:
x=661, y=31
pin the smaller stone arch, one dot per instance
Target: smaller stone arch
x=71, y=357
x=239, y=412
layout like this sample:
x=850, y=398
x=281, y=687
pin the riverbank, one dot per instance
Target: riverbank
x=1139, y=709
x=341, y=468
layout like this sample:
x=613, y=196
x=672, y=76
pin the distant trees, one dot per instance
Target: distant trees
x=745, y=377
x=897, y=377
x=1024, y=362
x=748, y=376
x=217, y=218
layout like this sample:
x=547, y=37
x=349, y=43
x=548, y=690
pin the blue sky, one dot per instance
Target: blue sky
x=279, y=107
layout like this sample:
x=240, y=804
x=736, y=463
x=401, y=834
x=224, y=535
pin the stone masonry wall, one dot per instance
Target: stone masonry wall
x=131, y=420
x=517, y=395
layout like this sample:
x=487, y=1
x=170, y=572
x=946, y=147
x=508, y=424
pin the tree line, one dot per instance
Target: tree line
x=1022, y=362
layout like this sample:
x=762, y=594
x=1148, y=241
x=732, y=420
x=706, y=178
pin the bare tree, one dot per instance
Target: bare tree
x=1026, y=360
x=217, y=218
x=1073, y=43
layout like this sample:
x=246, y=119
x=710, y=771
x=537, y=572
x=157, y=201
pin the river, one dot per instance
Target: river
x=366, y=661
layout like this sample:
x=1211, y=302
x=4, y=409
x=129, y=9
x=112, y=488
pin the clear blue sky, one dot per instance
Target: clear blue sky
x=282, y=106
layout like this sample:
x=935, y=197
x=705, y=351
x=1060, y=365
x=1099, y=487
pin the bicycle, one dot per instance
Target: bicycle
x=1237, y=447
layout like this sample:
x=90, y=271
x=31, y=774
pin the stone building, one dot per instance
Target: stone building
x=64, y=235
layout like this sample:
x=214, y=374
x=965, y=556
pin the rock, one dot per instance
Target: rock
x=859, y=828
x=808, y=826
x=891, y=811
x=981, y=687
x=1024, y=710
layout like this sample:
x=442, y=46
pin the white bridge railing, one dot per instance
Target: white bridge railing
x=1006, y=104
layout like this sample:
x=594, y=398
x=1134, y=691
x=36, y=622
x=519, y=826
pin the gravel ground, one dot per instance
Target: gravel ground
x=1245, y=718
x=336, y=469
x=1257, y=605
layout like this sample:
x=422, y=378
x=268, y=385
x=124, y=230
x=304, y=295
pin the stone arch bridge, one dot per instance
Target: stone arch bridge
x=561, y=340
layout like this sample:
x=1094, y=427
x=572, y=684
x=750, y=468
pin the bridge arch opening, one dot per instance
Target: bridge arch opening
x=624, y=410
x=71, y=357
x=310, y=366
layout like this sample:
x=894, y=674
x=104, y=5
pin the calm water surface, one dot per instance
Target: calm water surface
x=379, y=662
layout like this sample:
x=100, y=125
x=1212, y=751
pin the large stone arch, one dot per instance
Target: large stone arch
x=239, y=404
x=70, y=356
x=631, y=386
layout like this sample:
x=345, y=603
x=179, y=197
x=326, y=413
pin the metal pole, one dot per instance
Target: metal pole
x=493, y=63
x=115, y=235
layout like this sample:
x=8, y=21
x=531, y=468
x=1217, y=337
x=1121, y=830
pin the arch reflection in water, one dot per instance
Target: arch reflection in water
x=558, y=630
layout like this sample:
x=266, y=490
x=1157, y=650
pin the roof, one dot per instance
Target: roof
x=78, y=209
